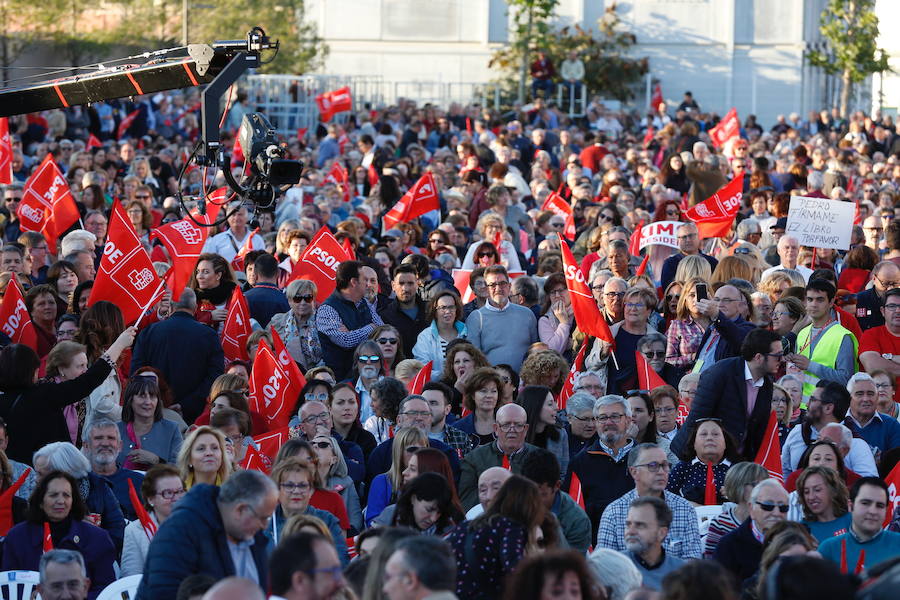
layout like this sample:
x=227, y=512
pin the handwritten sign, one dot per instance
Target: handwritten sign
x=820, y=222
x=660, y=233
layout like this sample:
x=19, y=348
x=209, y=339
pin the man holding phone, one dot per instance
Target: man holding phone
x=727, y=329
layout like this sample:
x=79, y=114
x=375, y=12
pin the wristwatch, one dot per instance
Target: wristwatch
x=888, y=356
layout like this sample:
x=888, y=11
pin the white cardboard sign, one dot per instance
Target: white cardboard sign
x=821, y=222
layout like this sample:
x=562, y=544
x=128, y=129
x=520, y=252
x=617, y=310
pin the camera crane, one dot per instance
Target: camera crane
x=216, y=66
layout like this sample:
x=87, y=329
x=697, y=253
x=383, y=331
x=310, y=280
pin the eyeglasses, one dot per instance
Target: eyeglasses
x=507, y=427
x=658, y=354
x=417, y=413
x=887, y=284
x=778, y=355
x=636, y=392
x=486, y=254
x=446, y=308
x=726, y=300
x=413, y=449
x=264, y=521
x=786, y=314
x=615, y=418
x=142, y=197
x=498, y=284
x=298, y=298
x=368, y=359
x=391, y=341
x=295, y=487
x=892, y=306
x=169, y=494
x=312, y=397
x=670, y=297
x=582, y=419
x=557, y=225
x=768, y=507
x=605, y=217
x=435, y=241
x=321, y=445
x=654, y=467
x=597, y=288
x=883, y=386
x=612, y=295
x=319, y=418
x=336, y=572
x=635, y=305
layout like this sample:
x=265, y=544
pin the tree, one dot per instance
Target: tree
x=610, y=70
x=25, y=22
x=531, y=30
x=301, y=50
x=851, y=29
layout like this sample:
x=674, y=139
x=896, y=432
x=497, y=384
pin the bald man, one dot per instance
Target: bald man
x=489, y=484
x=234, y=588
x=507, y=451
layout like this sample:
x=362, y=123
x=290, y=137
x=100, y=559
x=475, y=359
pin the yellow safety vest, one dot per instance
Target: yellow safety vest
x=828, y=344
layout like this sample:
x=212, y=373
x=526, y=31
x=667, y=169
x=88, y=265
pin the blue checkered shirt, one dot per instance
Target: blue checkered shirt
x=683, y=540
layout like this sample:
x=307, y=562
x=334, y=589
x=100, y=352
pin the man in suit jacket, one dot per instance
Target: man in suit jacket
x=739, y=392
x=189, y=364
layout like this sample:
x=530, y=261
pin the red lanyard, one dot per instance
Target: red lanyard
x=814, y=338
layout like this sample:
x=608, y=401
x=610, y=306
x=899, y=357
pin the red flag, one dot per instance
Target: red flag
x=729, y=127
x=769, y=454
x=270, y=388
x=48, y=539
x=6, y=501
x=146, y=522
x=254, y=461
x=301, y=132
x=287, y=362
x=237, y=263
x=331, y=103
x=558, y=206
x=15, y=321
x=126, y=123
x=648, y=379
x=270, y=443
x=184, y=241
x=347, y=245
x=6, y=153
x=709, y=497
x=421, y=378
x=337, y=173
x=569, y=386
x=93, y=142
x=237, y=327
x=648, y=137
x=319, y=263
x=47, y=204
x=587, y=315
x=372, y=174
x=893, y=483
x=422, y=198
x=642, y=268
x=126, y=276
x=634, y=244
x=657, y=97
x=715, y=215
x=575, y=491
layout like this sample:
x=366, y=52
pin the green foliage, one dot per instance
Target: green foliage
x=851, y=28
x=610, y=71
x=301, y=49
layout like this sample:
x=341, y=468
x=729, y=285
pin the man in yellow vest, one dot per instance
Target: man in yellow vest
x=825, y=349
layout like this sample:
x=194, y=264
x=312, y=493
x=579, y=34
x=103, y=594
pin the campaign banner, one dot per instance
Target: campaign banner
x=660, y=233
x=820, y=222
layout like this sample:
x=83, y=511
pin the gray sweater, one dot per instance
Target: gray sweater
x=503, y=335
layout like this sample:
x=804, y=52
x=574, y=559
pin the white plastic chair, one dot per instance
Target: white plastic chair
x=19, y=585
x=121, y=589
x=705, y=514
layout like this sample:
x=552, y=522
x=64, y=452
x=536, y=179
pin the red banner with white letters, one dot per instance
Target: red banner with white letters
x=126, y=276
x=569, y=386
x=715, y=215
x=15, y=321
x=184, y=241
x=271, y=393
x=319, y=263
x=587, y=314
x=333, y=102
x=237, y=327
x=6, y=154
x=558, y=206
x=47, y=205
x=420, y=199
x=769, y=454
x=729, y=127
x=286, y=361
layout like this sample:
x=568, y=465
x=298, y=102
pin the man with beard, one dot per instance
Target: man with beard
x=601, y=467
x=407, y=312
x=439, y=398
x=828, y=404
x=102, y=444
x=649, y=467
x=646, y=526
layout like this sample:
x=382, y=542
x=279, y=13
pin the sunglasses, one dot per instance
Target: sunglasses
x=782, y=508
x=391, y=341
x=413, y=449
x=483, y=254
x=321, y=445
x=660, y=354
x=298, y=298
x=371, y=359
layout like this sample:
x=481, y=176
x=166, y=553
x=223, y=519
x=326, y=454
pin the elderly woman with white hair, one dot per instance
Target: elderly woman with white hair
x=615, y=572
x=103, y=509
x=331, y=469
x=297, y=327
x=581, y=427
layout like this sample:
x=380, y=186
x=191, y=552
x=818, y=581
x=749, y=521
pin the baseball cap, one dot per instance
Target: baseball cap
x=781, y=223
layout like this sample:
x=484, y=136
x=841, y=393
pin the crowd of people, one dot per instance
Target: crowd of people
x=532, y=464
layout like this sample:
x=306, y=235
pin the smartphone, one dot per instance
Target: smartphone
x=702, y=293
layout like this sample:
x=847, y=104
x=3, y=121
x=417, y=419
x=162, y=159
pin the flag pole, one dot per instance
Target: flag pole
x=153, y=300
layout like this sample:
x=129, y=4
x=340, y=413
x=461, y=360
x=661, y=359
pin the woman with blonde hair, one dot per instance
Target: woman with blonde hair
x=202, y=458
x=687, y=328
x=693, y=267
x=731, y=267
x=775, y=284
x=385, y=487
